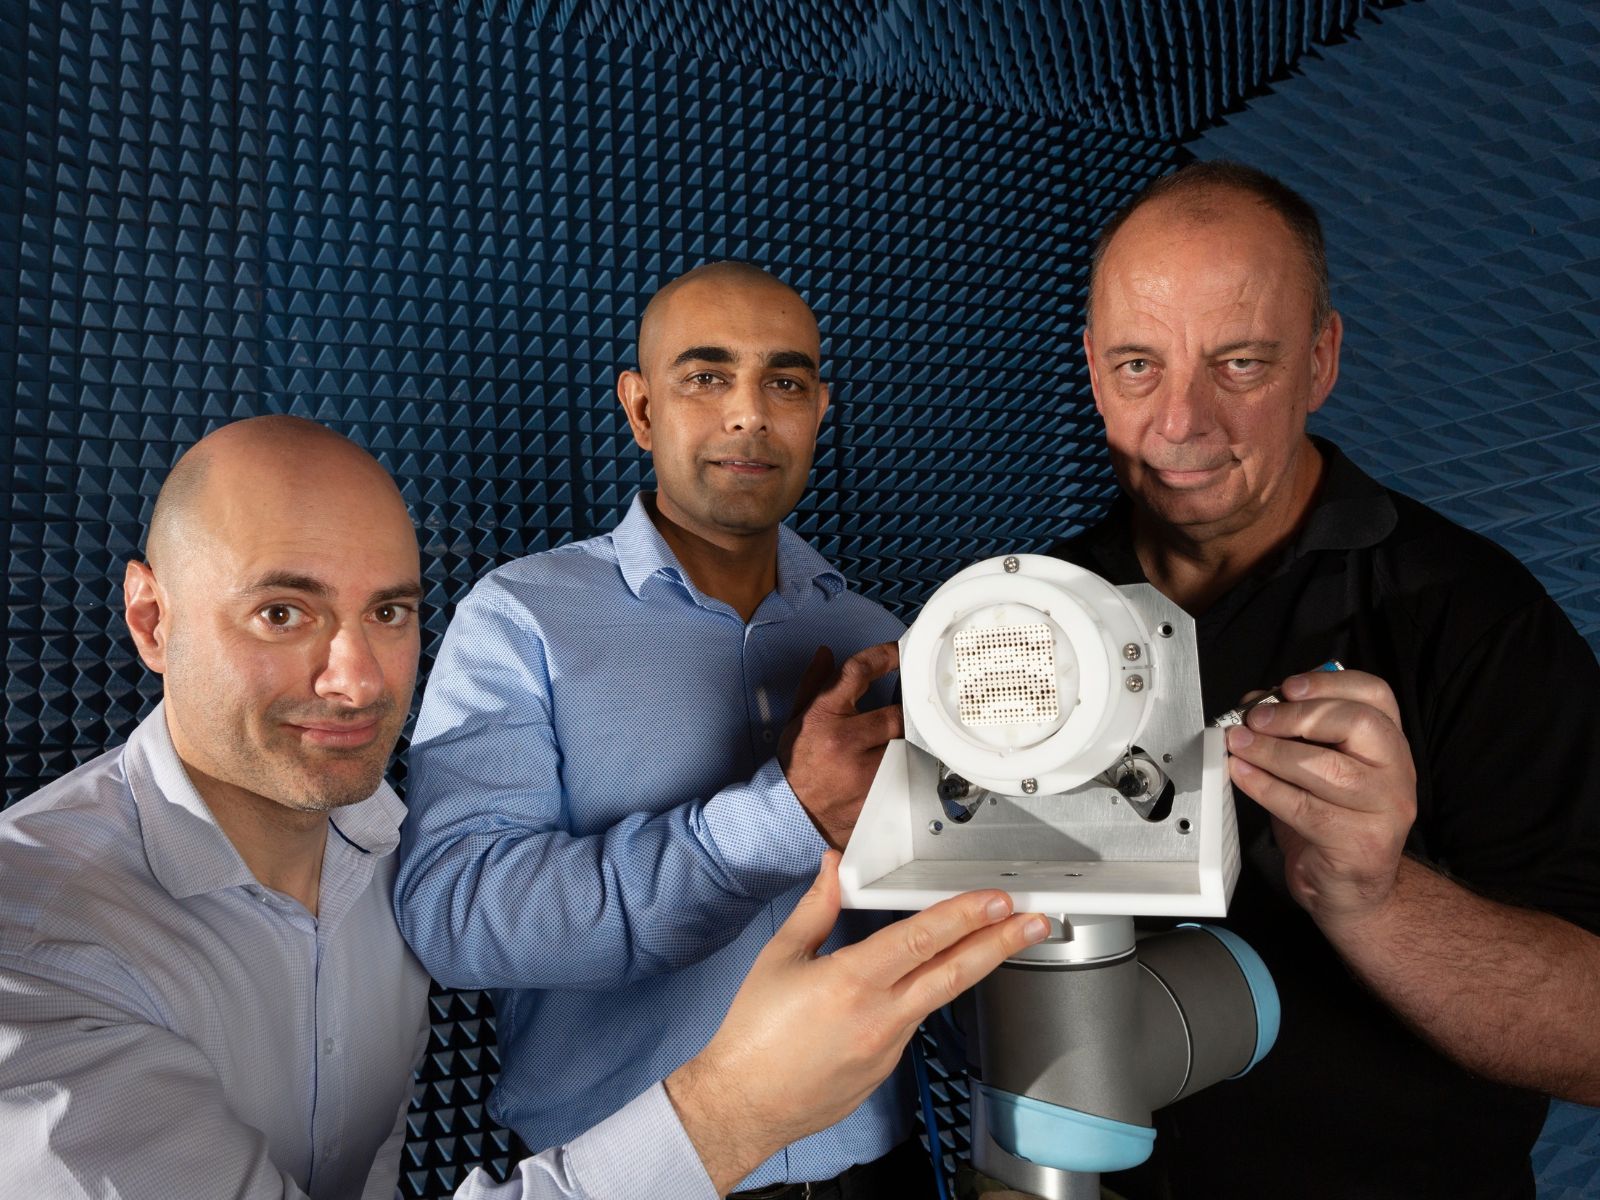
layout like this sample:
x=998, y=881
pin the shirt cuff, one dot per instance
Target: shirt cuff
x=764, y=836
x=640, y=1153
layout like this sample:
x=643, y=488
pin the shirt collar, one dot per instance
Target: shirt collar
x=1352, y=510
x=642, y=553
x=186, y=848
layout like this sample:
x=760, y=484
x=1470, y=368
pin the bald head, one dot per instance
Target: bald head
x=1203, y=195
x=245, y=465
x=279, y=604
x=729, y=276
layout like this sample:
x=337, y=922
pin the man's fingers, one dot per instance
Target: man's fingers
x=1292, y=805
x=1356, y=686
x=954, y=970
x=889, y=955
x=813, y=919
x=875, y=728
x=815, y=677
x=858, y=673
x=1356, y=728
x=1329, y=774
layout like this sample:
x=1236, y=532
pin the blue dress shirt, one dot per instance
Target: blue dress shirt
x=599, y=831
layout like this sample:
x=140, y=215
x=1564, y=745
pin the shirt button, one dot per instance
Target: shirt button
x=766, y=735
x=327, y=1045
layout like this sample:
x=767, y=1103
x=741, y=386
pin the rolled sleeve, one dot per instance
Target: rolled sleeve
x=762, y=832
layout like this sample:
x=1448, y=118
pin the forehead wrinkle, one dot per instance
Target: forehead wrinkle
x=1153, y=299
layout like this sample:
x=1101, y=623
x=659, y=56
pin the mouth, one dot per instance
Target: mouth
x=336, y=735
x=1189, y=478
x=744, y=466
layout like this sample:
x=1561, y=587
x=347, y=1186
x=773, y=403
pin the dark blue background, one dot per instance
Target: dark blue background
x=431, y=225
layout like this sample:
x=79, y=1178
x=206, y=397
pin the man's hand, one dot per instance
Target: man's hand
x=807, y=1039
x=829, y=752
x=1332, y=767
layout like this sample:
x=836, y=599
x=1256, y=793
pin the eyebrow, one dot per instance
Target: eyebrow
x=791, y=359
x=716, y=354
x=279, y=581
x=777, y=359
x=1244, y=344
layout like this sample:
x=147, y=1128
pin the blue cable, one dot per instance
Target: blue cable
x=935, y=1147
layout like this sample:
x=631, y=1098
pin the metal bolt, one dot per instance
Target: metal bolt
x=935, y=826
x=1030, y=786
x=1131, y=652
x=1011, y=564
x=1166, y=758
x=1134, y=683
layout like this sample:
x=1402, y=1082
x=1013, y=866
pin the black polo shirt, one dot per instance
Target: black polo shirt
x=1500, y=701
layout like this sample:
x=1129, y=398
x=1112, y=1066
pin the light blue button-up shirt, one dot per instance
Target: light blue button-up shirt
x=170, y=1029
x=599, y=831
x=168, y=1026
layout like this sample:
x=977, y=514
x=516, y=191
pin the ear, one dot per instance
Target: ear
x=1325, y=361
x=147, y=609
x=1094, y=368
x=635, y=396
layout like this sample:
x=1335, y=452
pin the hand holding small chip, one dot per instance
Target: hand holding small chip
x=1331, y=766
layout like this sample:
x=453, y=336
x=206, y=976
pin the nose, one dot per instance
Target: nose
x=746, y=407
x=1188, y=406
x=352, y=674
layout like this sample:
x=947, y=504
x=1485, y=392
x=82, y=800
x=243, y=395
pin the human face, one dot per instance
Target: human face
x=288, y=636
x=1205, y=366
x=728, y=403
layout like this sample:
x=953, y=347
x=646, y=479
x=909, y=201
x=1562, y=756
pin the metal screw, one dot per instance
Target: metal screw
x=935, y=826
x=1166, y=758
x=1164, y=629
x=1131, y=652
x=1183, y=825
x=1030, y=786
x=1011, y=564
x=1134, y=683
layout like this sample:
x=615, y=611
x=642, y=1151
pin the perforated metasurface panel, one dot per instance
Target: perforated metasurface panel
x=1006, y=675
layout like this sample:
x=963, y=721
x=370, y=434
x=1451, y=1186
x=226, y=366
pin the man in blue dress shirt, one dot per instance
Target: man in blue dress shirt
x=203, y=992
x=614, y=798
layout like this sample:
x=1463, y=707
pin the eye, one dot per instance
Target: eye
x=282, y=616
x=1135, y=366
x=702, y=379
x=393, y=615
x=1242, y=364
x=785, y=384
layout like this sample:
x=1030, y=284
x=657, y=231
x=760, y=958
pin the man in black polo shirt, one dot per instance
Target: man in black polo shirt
x=1422, y=853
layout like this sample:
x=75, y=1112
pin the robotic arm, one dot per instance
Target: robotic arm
x=1055, y=747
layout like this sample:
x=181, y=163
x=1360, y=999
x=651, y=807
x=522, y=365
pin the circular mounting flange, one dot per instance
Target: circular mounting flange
x=1017, y=672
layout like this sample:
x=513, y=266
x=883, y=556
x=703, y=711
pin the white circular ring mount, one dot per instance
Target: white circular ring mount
x=1089, y=623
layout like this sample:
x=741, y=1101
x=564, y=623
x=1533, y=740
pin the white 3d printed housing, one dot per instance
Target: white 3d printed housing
x=1037, y=682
